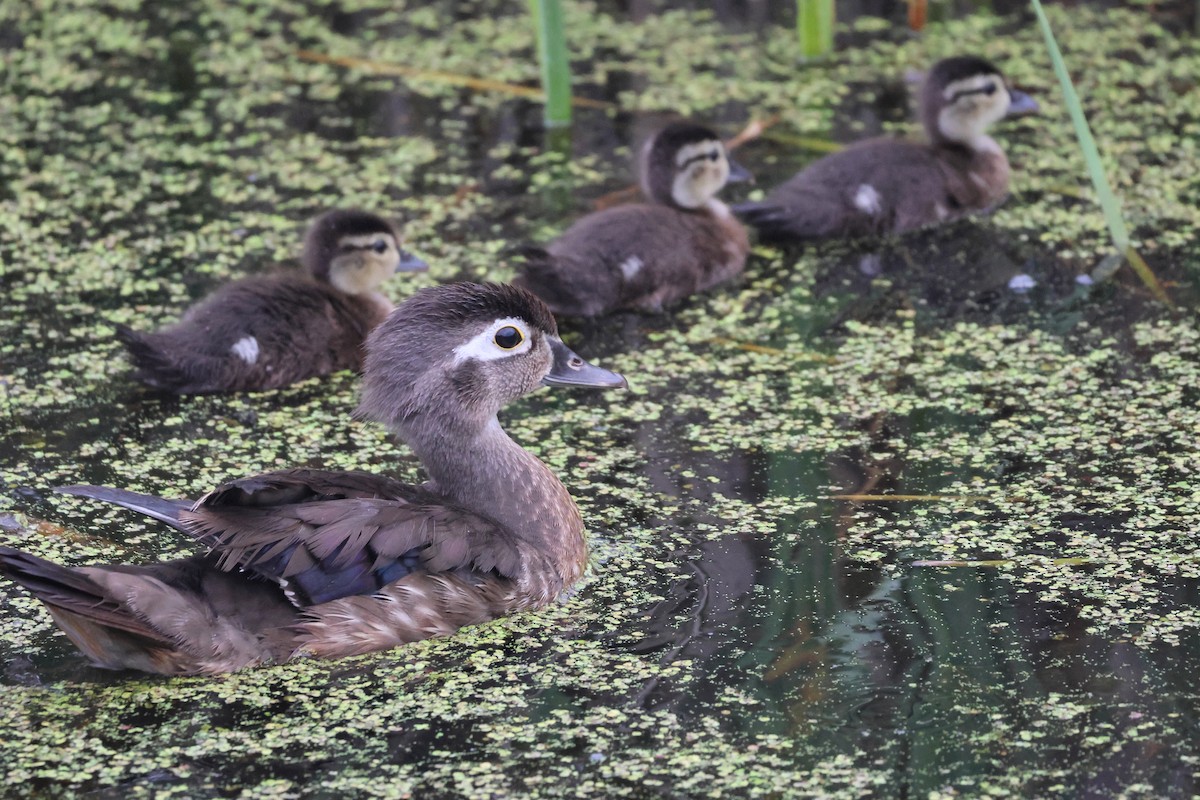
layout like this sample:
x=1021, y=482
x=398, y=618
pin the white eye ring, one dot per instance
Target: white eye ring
x=484, y=346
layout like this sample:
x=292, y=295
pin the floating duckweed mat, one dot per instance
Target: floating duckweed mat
x=744, y=629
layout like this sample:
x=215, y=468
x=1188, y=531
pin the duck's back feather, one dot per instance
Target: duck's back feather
x=639, y=256
x=334, y=534
x=293, y=557
x=879, y=186
x=257, y=333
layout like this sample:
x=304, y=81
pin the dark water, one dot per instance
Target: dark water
x=735, y=638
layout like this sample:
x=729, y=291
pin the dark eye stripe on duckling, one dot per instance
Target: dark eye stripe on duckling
x=703, y=149
x=990, y=89
x=353, y=244
x=713, y=155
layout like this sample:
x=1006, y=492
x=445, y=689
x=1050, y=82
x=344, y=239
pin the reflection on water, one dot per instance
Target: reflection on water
x=924, y=672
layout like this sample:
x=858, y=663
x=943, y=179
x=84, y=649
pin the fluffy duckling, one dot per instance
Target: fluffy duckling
x=647, y=256
x=312, y=562
x=887, y=185
x=273, y=330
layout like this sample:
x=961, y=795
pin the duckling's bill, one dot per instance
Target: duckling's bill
x=410, y=263
x=571, y=370
x=1020, y=103
x=738, y=173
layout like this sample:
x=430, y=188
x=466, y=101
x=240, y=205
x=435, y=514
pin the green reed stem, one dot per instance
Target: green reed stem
x=552, y=56
x=814, y=27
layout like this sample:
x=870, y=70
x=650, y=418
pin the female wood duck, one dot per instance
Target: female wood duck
x=647, y=256
x=273, y=330
x=310, y=562
x=888, y=185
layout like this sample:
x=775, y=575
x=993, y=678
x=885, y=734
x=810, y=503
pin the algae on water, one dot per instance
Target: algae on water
x=741, y=632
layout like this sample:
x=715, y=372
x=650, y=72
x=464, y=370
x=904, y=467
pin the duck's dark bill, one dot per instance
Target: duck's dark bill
x=410, y=263
x=1021, y=103
x=571, y=370
x=738, y=173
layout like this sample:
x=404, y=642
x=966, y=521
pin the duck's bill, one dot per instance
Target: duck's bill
x=1020, y=103
x=738, y=173
x=571, y=370
x=410, y=263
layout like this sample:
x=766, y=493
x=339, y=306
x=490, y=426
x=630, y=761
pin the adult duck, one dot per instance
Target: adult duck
x=322, y=563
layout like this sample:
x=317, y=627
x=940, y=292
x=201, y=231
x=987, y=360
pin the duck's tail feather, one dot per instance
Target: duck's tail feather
x=77, y=601
x=153, y=366
x=541, y=274
x=160, y=508
x=771, y=221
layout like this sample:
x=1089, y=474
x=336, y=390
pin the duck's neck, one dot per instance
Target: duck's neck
x=483, y=470
x=380, y=302
x=977, y=175
x=718, y=209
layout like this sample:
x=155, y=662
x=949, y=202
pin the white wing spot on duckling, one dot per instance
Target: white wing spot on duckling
x=246, y=349
x=941, y=211
x=631, y=267
x=868, y=201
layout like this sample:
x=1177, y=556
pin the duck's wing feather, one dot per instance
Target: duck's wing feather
x=160, y=508
x=325, y=535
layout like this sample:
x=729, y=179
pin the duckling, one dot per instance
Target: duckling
x=887, y=185
x=647, y=256
x=329, y=564
x=273, y=330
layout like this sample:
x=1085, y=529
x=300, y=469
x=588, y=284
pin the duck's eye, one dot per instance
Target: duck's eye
x=508, y=337
x=380, y=246
x=714, y=155
x=989, y=89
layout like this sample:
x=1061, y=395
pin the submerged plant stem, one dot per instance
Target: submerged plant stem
x=773, y=351
x=1003, y=562
x=910, y=498
x=440, y=76
x=804, y=142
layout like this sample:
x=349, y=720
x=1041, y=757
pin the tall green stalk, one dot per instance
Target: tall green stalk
x=552, y=56
x=1109, y=202
x=814, y=27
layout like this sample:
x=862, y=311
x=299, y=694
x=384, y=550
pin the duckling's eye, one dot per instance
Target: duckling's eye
x=714, y=155
x=508, y=337
x=990, y=89
x=380, y=246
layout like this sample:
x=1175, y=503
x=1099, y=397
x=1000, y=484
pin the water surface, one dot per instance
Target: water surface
x=754, y=623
